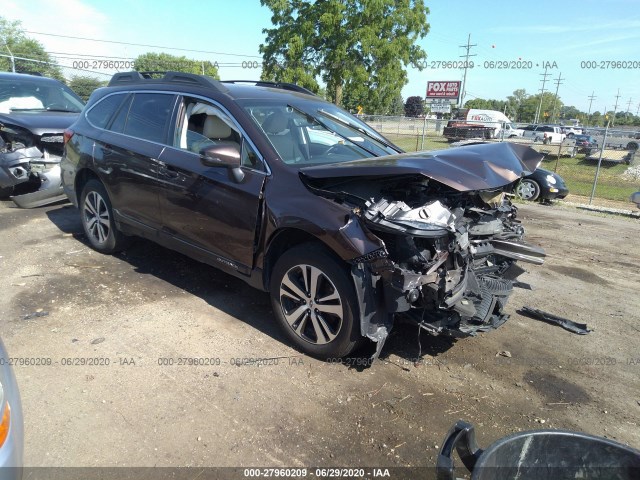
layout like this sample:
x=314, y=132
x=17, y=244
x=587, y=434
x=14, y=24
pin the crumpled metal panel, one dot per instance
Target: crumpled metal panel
x=473, y=167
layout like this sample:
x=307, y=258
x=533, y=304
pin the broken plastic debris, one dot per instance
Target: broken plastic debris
x=39, y=313
x=579, y=328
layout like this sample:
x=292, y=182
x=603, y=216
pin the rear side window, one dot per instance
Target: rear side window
x=118, y=123
x=149, y=116
x=102, y=111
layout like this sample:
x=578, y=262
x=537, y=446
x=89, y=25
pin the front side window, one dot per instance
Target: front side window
x=202, y=124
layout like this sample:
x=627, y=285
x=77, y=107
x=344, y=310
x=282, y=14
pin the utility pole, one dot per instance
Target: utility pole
x=544, y=81
x=591, y=99
x=466, y=56
x=13, y=60
x=638, y=110
x=555, y=102
x=628, y=108
x=615, y=109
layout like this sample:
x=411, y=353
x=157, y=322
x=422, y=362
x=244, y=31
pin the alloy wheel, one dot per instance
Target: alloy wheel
x=311, y=304
x=96, y=217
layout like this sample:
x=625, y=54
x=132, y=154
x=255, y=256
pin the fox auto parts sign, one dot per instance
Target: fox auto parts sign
x=449, y=90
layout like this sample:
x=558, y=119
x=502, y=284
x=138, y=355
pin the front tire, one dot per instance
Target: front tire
x=314, y=301
x=97, y=219
x=528, y=189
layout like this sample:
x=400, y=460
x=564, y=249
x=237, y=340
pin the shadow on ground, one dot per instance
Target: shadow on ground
x=234, y=297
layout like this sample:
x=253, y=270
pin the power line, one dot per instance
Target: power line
x=466, y=65
x=142, y=45
x=544, y=81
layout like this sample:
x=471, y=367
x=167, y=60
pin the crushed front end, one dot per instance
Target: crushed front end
x=449, y=234
x=30, y=166
x=450, y=262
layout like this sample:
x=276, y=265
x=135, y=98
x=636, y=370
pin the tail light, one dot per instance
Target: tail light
x=4, y=423
x=68, y=133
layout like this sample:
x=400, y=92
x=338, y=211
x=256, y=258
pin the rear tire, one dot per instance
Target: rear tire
x=314, y=302
x=97, y=219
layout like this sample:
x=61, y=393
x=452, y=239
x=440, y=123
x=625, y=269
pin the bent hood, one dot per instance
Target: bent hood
x=472, y=167
x=39, y=122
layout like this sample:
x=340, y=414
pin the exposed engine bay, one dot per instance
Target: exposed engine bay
x=449, y=256
x=30, y=166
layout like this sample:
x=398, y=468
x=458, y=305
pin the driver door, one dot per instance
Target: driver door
x=206, y=208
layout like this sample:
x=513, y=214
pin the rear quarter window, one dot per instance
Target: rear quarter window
x=100, y=114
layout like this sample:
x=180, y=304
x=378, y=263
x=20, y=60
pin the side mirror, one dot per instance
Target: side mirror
x=220, y=156
x=225, y=155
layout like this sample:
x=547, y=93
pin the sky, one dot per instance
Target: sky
x=569, y=37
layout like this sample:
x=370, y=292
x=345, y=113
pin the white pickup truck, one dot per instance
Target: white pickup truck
x=544, y=133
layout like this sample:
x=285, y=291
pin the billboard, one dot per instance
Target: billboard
x=443, y=89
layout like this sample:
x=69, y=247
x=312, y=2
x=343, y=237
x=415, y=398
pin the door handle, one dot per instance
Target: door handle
x=167, y=170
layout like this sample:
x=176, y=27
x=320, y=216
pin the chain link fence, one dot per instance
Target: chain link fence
x=612, y=164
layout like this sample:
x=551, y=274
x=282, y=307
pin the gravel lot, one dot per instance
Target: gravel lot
x=148, y=307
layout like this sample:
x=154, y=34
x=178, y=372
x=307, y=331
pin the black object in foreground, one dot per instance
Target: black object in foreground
x=538, y=454
x=579, y=328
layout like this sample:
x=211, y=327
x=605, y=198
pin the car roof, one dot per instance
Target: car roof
x=26, y=76
x=186, y=82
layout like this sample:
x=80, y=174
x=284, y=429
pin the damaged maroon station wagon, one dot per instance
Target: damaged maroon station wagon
x=299, y=198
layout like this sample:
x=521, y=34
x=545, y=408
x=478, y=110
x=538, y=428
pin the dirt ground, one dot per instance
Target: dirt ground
x=138, y=316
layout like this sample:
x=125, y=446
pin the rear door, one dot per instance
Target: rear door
x=126, y=156
x=206, y=208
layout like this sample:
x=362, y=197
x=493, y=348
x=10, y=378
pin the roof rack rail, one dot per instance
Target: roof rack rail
x=282, y=85
x=126, y=78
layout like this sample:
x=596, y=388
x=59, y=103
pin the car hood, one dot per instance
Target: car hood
x=472, y=167
x=39, y=122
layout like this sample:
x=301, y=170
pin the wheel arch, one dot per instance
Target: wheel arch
x=81, y=179
x=284, y=239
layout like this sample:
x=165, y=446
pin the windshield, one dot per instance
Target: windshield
x=317, y=133
x=34, y=95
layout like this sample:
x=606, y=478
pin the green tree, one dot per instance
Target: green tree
x=530, y=105
x=397, y=107
x=358, y=48
x=163, y=62
x=414, y=106
x=14, y=42
x=569, y=112
x=483, y=104
x=85, y=85
x=515, y=103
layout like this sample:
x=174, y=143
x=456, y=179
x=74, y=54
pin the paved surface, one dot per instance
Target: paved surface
x=148, y=307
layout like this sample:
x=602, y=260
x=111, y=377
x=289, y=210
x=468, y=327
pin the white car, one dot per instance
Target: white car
x=571, y=130
x=544, y=133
